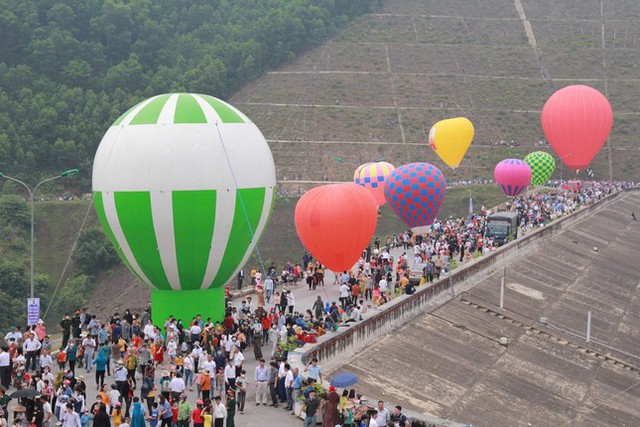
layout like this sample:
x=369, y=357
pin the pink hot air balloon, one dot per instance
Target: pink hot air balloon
x=513, y=176
x=372, y=177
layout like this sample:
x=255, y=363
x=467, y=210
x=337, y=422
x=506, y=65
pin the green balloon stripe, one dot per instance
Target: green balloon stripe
x=188, y=110
x=150, y=113
x=102, y=216
x=224, y=111
x=122, y=117
x=194, y=214
x=240, y=235
x=136, y=220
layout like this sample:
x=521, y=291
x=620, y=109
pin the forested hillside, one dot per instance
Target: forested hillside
x=68, y=68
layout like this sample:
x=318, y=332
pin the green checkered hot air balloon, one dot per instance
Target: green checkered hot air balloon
x=183, y=185
x=542, y=166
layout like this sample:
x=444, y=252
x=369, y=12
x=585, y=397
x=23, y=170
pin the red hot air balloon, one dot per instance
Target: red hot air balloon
x=576, y=121
x=513, y=176
x=336, y=222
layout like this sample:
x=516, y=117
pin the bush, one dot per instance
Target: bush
x=15, y=211
x=94, y=252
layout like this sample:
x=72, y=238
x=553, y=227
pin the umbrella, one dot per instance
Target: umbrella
x=344, y=380
x=25, y=392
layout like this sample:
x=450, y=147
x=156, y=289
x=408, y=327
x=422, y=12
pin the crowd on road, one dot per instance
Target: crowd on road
x=194, y=371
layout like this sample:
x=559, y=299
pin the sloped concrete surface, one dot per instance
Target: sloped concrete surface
x=451, y=363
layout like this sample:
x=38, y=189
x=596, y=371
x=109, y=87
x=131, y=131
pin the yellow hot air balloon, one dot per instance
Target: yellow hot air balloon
x=450, y=139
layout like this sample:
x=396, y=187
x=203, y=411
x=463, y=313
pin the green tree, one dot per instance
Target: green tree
x=14, y=210
x=94, y=252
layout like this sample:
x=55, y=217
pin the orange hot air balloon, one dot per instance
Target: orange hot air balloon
x=335, y=223
x=450, y=139
x=577, y=120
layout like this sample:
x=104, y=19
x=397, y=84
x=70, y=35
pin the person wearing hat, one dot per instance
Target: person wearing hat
x=205, y=383
x=231, y=408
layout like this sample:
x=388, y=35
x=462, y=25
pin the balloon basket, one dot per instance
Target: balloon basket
x=186, y=305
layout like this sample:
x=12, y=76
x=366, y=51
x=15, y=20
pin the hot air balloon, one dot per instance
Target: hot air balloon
x=415, y=192
x=450, y=139
x=576, y=121
x=513, y=176
x=183, y=186
x=542, y=166
x=356, y=174
x=335, y=222
x=372, y=176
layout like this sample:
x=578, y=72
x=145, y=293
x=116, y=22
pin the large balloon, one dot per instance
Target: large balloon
x=183, y=186
x=513, y=176
x=542, y=166
x=576, y=121
x=335, y=222
x=372, y=177
x=450, y=139
x=415, y=192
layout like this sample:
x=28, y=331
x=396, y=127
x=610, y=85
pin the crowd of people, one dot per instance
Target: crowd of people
x=144, y=372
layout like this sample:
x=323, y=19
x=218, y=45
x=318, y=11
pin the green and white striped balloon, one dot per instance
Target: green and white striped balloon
x=183, y=185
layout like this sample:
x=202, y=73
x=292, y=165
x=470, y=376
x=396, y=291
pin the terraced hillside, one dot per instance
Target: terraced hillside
x=375, y=89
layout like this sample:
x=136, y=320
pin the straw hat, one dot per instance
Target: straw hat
x=349, y=405
x=165, y=373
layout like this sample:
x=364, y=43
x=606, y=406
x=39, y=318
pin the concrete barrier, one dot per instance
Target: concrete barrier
x=334, y=348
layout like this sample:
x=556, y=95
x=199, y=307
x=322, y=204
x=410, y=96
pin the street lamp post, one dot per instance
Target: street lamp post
x=31, y=202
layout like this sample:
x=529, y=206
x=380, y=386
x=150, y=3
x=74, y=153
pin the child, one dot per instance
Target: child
x=62, y=359
x=125, y=422
x=174, y=413
x=197, y=380
x=117, y=414
x=153, y=417
x=220, y=383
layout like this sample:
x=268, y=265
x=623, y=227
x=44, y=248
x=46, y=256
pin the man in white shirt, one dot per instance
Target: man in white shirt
x=344, y=295
x=383, y=285
x=219, y=412
x=177, y=387
x=383, y=414
x=149, y=332
x=261, y=377
x=45, y=360
x=30, y=348
x=5, y=368
x=46, y=410
x=70, y=417
x=268, y=289
x=238, y=361
x=230, y=376
x=288, y=386
x=195, y=331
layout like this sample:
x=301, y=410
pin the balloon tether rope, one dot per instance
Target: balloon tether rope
x=244, y=209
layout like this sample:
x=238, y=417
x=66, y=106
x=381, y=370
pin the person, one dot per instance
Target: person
x=231, y=408
x=70, y=418
x=154, y=415
x=262, y=380
x=46, y=410
x=288, y=385
x=315, y=371
x=101, y=365
x=137, y=413
x=117, y=414
x=184, y=411
x=383, y=414
x=219, y=412
x=165, y=413
x=5, y=367
x=311, y=409
x=196, y=414
x=373, y=422
x=207, y=417
x=241, y=388
x=399, y=418
x=31, y=347
x=88, y=346
x=272, y=383
x=331, y=416
x=101, y=419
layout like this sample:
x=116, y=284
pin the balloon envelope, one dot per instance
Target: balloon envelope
x=415, y=192
x=335, y=223
x=183, y=186
x=450, y=139
x=577, y=120
x=372, y=176
x=542, y=166
x=513, y=176
x=356, y=174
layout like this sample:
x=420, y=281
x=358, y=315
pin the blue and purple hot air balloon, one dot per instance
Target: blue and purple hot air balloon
x=415, y=192
x=513, y=176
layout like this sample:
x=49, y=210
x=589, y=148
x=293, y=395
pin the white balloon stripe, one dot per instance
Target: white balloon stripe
x=168, y=110
x=162, y=213
x=225, y=211
x=112, y=218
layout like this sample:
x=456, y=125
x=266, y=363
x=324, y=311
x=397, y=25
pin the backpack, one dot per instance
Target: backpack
x=165, y=386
